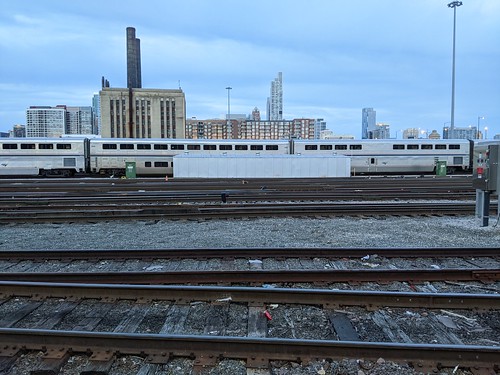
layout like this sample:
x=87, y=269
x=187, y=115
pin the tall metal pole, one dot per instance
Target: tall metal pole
x=454, y=5
x=479, y=118
x=228, y=109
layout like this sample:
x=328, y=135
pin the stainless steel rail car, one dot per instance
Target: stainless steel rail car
x=42, y=156
x=393, y=156
x=154, y=157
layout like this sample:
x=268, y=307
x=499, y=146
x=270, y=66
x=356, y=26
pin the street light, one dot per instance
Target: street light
x=454, y=5
x=479, y=118
x=228, y=108
x=485, y=132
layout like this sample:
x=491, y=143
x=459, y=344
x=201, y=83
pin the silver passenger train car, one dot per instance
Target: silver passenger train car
x=393, y=156
x=43, y=156
x=154, y=157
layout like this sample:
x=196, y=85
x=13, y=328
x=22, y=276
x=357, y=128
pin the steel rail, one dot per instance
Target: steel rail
x=244, y=210
x=252, y=295
x=258, y=276
x=257, y=351
x=251, y=253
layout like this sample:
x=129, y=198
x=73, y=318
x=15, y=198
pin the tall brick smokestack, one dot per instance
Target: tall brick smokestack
x=133, y=60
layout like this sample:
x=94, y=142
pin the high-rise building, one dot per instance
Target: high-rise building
x=255, y=114
x=382, y=131
x=368, y=123
x=134, y=80
x=45, y=121
x=319, y=126
x=79, y=120
x=142, y=113
x=96, y=109
x=275, y=101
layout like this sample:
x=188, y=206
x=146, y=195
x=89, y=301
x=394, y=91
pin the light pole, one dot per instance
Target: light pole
x=479, y=118
x=228, y=109
x=485, y=132
x=454, y=5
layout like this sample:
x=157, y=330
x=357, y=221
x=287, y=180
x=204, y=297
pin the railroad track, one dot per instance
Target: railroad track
x=208, y=324
x=93, y=212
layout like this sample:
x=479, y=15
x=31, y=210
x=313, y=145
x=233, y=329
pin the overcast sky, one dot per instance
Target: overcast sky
x=337, y=57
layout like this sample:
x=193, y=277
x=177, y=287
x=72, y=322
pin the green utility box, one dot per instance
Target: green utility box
x=440, y=168
x=130, y=169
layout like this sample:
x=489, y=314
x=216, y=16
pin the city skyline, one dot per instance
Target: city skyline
x=337, y=58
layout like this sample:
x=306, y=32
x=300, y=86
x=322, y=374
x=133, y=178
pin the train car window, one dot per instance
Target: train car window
x=271, y=147
x=46, y=146
x=161, y=164
x=325, y=147
x=177, y=147
x=27, y=146
x=161, y=147
x=398, y=147
x=454, y=147
x=9, y=146
x=440, y=147
x=241, y=147
x=412, y=147
x=109, y=146
x=126, y=146
x=256, y=147
x=225, y=147
x=372, y=160
x=426, y=147
x=194, y=147
x=355, y=147
x=209, y=147
x=147, y=164
x=63, y=146
x=340, y=147
x=143, y=146
x=311, y=147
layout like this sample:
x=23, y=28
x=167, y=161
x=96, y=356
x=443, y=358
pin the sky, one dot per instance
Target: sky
x=337, y=57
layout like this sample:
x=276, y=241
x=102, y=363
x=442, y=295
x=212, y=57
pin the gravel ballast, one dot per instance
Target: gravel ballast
x=463, y=231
